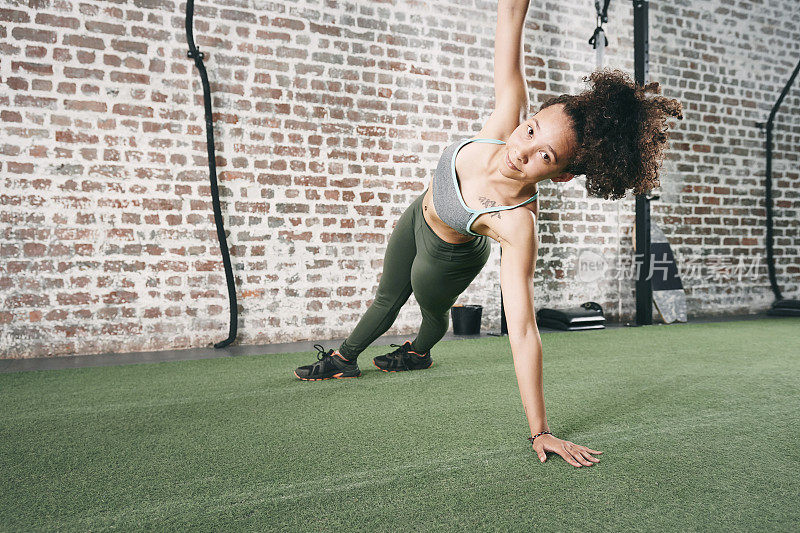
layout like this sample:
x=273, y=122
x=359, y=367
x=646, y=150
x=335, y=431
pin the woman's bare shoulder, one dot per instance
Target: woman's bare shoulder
x=513, y=227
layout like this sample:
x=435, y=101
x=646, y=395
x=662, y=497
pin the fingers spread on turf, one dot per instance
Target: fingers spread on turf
x=580, y=458
x=582, y=454
x=577, y=454
x=587, y=453
x=589, y=456
x=568, y=457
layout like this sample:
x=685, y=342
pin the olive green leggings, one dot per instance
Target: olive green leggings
x=419, y=261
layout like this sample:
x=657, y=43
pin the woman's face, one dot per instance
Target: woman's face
x=541, y=147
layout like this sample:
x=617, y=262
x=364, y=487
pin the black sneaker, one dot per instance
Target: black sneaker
x=330, y=364
x=403, y=358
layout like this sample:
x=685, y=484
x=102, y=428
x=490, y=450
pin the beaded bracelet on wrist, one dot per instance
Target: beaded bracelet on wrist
x=542, y=433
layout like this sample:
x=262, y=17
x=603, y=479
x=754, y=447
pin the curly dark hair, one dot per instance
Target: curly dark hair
x=620, y=133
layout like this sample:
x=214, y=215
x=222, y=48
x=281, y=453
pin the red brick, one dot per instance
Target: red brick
x=132, y=110
x=84, y=73
x=14, y=15
x=105, y=27
x=46, y=19
x=76, y=105
x=129, y=46
x=293, y=24
x=129, y=78
x=75, y=137
x=10, y=116
x=26, y=66
x=164, y=5
x=34, y=101
x=30, y=34
x=84, y=42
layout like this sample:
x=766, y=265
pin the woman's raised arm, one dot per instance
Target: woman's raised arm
x=510, y=91
x=509, y=78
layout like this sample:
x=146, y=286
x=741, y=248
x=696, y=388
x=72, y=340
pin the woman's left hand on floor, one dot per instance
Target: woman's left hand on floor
x=574, y=454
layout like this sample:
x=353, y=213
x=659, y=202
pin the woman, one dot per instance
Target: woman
x=486, y=188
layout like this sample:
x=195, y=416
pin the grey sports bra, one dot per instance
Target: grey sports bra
x=447, y=199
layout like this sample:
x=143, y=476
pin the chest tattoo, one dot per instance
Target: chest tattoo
x=488, y=202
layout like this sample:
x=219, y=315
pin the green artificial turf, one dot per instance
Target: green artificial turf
x=698, y=424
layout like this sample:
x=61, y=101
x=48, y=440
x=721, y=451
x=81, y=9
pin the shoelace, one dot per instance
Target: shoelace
x=321, y=353
x=398, y=353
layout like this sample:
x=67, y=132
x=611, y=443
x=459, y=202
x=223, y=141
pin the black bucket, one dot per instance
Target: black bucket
x=466, y=319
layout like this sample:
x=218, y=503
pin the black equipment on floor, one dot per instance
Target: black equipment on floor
x=784, y=307
x=588, y=316
x=466, y=319
x=781, y=306
x=197, y=55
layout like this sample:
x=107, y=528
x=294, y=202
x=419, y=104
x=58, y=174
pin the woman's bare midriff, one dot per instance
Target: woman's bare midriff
x=445, y=232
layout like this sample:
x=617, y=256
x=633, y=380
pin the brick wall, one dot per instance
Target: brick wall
x=329, y=120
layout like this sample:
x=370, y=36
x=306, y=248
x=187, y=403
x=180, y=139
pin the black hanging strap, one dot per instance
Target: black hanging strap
x=770, y=258
x=602, y=16
x=197, y=55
